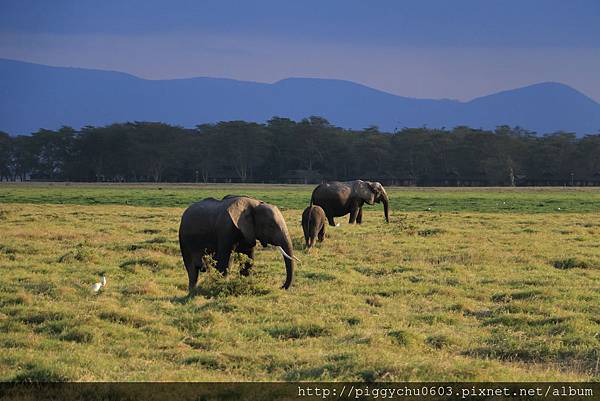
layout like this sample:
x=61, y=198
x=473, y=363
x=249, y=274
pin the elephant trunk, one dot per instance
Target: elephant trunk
x=385, y=201
x=285, y=246
x=289, y=270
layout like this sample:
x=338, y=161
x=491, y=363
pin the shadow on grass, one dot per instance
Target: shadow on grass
x=183, y=300
x=297, y=331
x=212, y=285
x=37, y=374
x=571, y=263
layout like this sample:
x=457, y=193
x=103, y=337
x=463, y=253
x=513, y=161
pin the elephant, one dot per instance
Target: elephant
x=218, y=227
x=313, y=224
x=340, y=198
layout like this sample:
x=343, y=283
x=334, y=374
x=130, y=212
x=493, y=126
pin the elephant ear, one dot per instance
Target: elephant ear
x=377, y=189
x=364, y=191
x=241, y=213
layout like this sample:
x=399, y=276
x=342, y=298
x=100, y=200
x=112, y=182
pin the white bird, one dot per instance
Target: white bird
x=96, y=287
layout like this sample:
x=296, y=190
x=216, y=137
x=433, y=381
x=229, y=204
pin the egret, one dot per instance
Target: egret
x=96, y=287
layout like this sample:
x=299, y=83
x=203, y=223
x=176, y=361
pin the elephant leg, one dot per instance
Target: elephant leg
x=192, y=271
x=322, y=233
x=353, y=215
x=359, y=216
x=248, y=251
x=330, y=220
x=312, y=234
x=190, y=264
x=223, y=257
x=306, y=235
x=192, y=278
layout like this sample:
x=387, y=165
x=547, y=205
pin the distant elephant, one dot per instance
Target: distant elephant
x=340, y=198
x=233, y=223
x=313, y=224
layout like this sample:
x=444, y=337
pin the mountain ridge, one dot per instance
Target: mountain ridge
x=34, y=96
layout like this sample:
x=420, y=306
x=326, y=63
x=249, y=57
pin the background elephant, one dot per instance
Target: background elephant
x=218, y=227
x=313, y=224
x=340, y=198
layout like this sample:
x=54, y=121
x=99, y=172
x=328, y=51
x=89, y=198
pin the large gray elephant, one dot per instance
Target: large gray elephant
x=340, y=198
x=219, y=227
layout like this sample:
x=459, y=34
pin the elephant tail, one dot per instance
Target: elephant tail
x=312, y=196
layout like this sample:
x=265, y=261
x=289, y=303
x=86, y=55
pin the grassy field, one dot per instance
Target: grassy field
x=490, y=284
x=493, y=200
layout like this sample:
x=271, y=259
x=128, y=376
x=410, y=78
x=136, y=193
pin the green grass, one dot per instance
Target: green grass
x=465, y=291
x=488, y=200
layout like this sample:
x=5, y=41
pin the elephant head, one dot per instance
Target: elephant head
x=263, y=222
x=373, y=192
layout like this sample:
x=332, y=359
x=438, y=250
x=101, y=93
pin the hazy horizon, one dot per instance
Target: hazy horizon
x=432, y=49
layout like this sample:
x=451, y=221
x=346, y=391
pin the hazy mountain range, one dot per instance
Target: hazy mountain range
x=34, y=96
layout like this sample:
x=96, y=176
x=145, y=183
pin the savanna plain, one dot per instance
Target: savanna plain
x=461, y=285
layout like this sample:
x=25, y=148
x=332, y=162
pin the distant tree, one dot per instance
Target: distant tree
x=309, y=150
x=154, y=149
x=310, y=140
x=52, y=151
x=23, y=158
x=242, y=146
x=203, y=158
x=283, y=156
x=5, y=156
x=586, y=157
x=372, y=152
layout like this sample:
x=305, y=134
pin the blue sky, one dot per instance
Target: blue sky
x=439, y=49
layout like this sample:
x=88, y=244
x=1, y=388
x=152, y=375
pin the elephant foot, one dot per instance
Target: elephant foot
x=192, y=292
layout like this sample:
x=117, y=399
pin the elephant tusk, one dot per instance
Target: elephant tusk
x=285, y=255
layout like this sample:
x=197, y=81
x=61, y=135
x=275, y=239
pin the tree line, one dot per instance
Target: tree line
x=306, y=151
